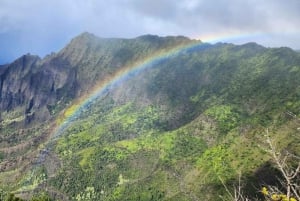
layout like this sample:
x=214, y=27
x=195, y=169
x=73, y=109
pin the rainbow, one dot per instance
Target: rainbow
x=72, y=113
x=109, y=82
x=125, y=73
x=231, y=37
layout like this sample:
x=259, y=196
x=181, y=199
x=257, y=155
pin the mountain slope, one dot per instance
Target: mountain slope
x=34, y=91
x=170, y=132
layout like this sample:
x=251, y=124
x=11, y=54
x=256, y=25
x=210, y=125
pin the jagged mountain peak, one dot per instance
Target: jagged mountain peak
x=84, y=38
x=151, y=38
x=91, y=40
x=22, y=66
x=26, y=59
x=86, y=47
x=86, y=35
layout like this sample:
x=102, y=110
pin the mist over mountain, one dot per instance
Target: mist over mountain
x=168, y=132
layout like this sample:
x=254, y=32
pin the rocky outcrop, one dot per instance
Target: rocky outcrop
x=33, y=87
x=15, y=82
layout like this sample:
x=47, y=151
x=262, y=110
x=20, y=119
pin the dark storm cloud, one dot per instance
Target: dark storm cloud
x=42, y=26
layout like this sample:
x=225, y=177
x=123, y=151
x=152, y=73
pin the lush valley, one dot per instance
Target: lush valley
x=181, y=129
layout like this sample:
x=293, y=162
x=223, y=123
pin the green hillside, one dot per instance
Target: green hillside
x=179, y=130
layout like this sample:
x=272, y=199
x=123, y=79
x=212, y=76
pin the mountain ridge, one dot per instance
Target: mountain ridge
x=200, y=112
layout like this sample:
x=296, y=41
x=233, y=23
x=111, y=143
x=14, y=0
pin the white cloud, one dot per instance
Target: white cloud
x=42, y=26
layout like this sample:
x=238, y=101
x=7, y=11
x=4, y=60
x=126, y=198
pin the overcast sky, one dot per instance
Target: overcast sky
x=44, y=26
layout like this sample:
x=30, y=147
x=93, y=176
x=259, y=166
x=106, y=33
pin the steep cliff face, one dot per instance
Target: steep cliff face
x=32, y=86
x=15, y=82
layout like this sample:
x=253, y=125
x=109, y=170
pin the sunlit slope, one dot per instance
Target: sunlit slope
x=186, y=123
x=37, y=95
x=174, y=131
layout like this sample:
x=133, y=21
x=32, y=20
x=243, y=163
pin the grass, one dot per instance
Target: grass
x=86, y=156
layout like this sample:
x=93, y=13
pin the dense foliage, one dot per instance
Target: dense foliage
x=174, y=131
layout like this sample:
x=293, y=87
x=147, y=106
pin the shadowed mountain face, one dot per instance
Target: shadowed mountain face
x=168, y=132
x=32, y=85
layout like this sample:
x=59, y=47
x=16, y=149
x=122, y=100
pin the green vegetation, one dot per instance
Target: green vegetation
x=224, y=116
x=4, y=196
x=180, y=130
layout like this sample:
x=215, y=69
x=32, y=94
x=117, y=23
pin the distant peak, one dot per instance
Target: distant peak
x=28, y=56
x=148, y=37
x=85, y=36
x=252, y=45
x=156, y=37
x=82, y=40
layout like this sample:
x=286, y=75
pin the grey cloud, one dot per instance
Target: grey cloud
x=161, y=9
x=202, y=11
x=42, y=26
x=246, y=15
x=241, y=14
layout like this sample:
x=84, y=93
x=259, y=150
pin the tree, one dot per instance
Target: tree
x=12, y=197
x=289, y=166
